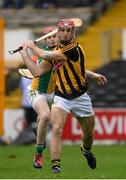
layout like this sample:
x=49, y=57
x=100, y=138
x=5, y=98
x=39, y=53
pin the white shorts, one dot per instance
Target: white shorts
x=80, y=106
x=34, y=96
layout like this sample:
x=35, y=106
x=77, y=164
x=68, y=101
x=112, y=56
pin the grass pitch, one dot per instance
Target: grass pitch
x=16, y=163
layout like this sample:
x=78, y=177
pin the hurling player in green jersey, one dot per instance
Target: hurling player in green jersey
x=40, y=95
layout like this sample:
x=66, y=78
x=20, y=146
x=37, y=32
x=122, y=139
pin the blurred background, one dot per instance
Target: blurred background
x=103, y=37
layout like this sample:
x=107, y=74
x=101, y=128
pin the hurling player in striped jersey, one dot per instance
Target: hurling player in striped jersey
x=71, y=89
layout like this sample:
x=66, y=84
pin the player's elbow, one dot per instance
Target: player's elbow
x=38, y=72
x=36, y=75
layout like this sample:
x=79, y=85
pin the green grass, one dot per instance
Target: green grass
x=16, y=163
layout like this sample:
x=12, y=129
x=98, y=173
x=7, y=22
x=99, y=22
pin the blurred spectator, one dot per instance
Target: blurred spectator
x=30, y=114
x=13, y=3
x=44, y=3
x=86, y=2
x=48, y=3
x=19, y=3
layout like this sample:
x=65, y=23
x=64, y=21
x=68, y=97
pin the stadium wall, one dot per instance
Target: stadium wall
x=1, y=75
x=12, y=40
x=110, y=126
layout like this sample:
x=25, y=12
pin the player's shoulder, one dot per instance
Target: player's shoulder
x=70, y=46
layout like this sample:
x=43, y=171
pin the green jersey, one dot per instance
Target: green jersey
x=44, y=84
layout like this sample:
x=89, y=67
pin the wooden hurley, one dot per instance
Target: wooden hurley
x=26, y=73
x=77, y=21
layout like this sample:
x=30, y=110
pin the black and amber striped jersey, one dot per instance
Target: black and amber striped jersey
x=70, y=76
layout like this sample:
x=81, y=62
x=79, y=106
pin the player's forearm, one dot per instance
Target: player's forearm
x=90, y=74
x=99, y=78
x=31, y=65
x=48, y=55
x=38, y=52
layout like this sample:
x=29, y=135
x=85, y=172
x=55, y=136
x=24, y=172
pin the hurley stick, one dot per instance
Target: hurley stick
x=77, y=21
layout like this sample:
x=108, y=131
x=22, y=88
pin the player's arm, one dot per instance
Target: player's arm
x=36, y=70
x=99, y=78
x=48, y=55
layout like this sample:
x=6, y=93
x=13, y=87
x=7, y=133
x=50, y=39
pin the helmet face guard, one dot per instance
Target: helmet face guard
x=66, y=25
